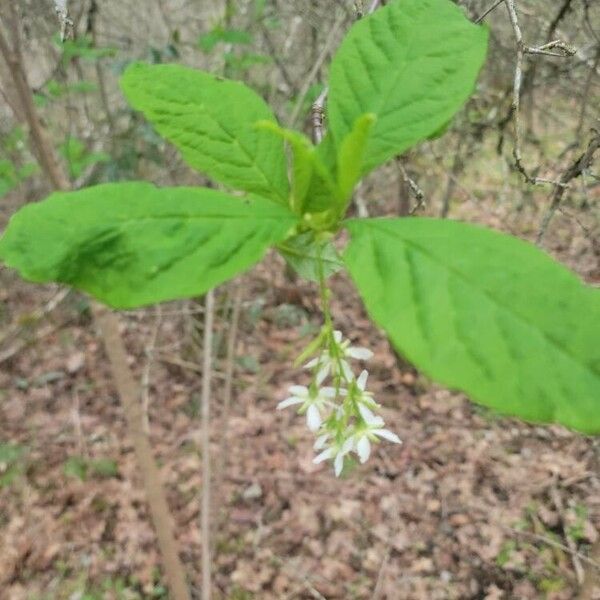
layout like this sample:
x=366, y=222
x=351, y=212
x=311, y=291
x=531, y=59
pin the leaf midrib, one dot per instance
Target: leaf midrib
x=204, y=109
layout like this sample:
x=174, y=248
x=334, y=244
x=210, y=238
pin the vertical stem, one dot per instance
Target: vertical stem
x=39, y=142
x=205, y=433
x=129, y=393
x=227, y=391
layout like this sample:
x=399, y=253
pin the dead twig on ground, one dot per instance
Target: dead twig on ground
x=36, y=316
x=558, y=503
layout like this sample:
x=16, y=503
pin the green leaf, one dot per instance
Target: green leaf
x=133, y=244
x=412, y=63
x=352, y=155
x=303, y=251
x=208, y=41
x=485, y=313
x=78, y=158
x=211, y=120
x=313, y=188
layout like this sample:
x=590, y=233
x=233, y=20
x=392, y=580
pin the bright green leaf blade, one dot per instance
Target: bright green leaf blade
x=314, y=189
x=413, y=63
x=133, y=244
x=211, y=120
x=485, y=313
x=352, y=154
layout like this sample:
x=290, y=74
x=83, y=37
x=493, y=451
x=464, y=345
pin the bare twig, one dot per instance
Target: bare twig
x=128, y=392
x=36, y=316
x=378, y=590
x=488, y=11
x=522, y=50
x=591, y=580
x=227, y=392
x=551, y=542
x=318, y=107
x=414, y=188
x=66, y=23
x=331, y=39
x=150, y=352
x=586, y=93
x=558, y=503
x=574, y=170
x=43, y=150
x=205, y=515
x=318, y=115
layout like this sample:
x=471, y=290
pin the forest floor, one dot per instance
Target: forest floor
x=471, y=506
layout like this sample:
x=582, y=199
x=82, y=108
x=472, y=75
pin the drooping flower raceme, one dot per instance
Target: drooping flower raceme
x=342, y=415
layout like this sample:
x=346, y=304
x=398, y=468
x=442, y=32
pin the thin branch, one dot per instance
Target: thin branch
x=414, y=188
x=573, y=171
x=150, y=352
x=318, y=116
x=558, y=503
x=522, y=50
x=129, y=394
x=331, y=39
x=66, y=23
x=488, y=11
x=318, y=107
x=205, y=515
x=227, y=392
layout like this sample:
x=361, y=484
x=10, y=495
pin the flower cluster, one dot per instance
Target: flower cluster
x=342, y=415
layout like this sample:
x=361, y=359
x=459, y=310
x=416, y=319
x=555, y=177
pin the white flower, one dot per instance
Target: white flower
x=337, y=452
x=364, y=398
x=338, y=364
x=312, y=405
x=362, y=441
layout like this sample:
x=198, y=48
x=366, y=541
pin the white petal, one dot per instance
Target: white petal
x=313, y=418
x=326, y=454
x=369, y=417
x=321, y=441
x=347, y=446
x=312, y=363
x=359, y=353
x=323, y=372
x=337, y=336
x=289, y=402
x=363, y=448
x=338, y=464
x=361, y=382
x=346, y=370
x=299, y=390
x=328, y=392
x=388, y=435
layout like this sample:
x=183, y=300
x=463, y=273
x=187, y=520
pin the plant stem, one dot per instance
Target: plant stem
x=205, y=433
x=129, y=393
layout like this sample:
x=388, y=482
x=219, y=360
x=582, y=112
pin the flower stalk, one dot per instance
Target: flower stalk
x=341, y=415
